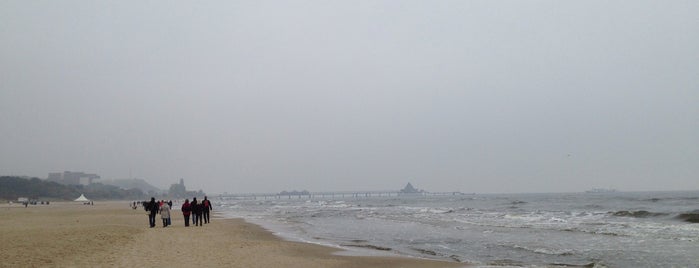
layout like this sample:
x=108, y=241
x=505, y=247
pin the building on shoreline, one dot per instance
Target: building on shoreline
x=409, y=189
x=73, y=178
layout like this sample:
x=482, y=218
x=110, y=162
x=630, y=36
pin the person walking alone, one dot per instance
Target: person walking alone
x=206, y=206
x=186, y=211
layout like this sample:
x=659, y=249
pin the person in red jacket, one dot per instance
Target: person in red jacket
x=186, y=211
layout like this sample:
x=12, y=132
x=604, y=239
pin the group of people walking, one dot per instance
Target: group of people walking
x=199, y=211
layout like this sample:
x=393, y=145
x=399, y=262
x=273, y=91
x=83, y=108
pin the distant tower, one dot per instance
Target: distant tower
x=182, y=182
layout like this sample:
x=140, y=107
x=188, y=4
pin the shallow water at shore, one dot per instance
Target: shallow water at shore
x=603, y=229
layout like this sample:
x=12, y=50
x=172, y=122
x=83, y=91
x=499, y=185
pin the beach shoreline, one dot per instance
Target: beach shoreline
x=68, y=234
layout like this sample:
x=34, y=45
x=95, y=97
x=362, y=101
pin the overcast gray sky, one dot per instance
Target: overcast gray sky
x=265, y=96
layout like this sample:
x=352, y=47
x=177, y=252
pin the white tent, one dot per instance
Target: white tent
x=82, y=198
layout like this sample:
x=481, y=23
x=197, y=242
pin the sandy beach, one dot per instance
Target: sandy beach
x=110, y=234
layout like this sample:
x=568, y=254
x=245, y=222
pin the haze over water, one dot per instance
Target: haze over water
x=265, y=96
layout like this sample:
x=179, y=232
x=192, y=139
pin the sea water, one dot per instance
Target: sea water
x=645, y=229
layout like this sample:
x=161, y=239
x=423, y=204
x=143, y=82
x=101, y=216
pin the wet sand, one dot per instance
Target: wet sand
x=110, y=234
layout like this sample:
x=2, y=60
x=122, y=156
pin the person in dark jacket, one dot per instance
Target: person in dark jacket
x=152, y=207
x=194, y=206
x=186, y=211
x=198, y=210
x=169, y=220
x=206, y=205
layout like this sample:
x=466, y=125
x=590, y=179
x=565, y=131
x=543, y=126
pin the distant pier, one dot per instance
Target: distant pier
x=331, y=195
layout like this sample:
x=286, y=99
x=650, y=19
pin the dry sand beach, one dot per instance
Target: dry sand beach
x=110, y=234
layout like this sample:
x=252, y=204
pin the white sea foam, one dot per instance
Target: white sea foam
x=547, y=228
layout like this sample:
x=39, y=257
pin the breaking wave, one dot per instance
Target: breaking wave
x=637, y=214
x=692, y=217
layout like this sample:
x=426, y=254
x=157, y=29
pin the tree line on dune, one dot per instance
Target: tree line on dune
x=12, y=187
